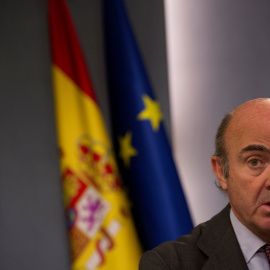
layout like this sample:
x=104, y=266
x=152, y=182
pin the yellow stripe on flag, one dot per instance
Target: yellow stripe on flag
x=102, y=231
x=77, y=114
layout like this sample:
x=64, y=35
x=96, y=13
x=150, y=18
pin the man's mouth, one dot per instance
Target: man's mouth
x=266, y=203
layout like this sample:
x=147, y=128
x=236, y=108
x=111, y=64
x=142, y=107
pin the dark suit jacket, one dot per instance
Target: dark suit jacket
x=211, y=245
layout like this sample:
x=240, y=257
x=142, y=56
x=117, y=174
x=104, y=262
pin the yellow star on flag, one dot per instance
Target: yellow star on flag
x=151, y=112
x=126, y=149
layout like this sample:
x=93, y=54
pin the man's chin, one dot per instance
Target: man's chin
x=263, y=229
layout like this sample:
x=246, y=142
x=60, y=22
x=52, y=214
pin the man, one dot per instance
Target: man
x=236, y=237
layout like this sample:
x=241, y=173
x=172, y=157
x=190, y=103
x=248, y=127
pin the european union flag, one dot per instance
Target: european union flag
x=144, y=155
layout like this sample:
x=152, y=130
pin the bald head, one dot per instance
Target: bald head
x=248, y=113
x=251, y=113
x=256, y=104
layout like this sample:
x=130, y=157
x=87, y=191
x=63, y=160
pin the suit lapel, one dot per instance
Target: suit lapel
x=218, y=241
x=227, y=254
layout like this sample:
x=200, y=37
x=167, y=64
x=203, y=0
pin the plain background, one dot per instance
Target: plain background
x=218, y=58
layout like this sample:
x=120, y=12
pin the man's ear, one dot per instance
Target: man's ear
x=217, y=167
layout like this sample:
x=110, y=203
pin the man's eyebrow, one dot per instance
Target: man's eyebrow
x=255, y=147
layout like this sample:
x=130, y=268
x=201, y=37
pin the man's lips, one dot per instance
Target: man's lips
x=266, y=206
x=266, y=202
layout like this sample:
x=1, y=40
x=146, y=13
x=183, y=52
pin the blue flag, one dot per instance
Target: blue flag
x=144, y=155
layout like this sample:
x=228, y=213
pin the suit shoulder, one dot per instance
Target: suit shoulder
x=182, y=253
x=189, y=251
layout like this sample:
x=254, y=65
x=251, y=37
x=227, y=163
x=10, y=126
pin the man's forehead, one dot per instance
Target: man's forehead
x=249, y=125
x=251, y=113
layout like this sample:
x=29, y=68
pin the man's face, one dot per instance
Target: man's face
x=247, y=142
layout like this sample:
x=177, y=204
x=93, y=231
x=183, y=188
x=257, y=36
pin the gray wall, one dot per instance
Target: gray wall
x=32, y=225
x=220, y=58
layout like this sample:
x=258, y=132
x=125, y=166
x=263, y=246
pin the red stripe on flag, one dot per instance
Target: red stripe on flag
x=65, y=47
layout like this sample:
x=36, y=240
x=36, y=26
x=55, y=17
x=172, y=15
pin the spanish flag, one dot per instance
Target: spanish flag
x=101, y=230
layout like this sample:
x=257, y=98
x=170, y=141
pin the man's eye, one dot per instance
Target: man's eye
x=254, y=162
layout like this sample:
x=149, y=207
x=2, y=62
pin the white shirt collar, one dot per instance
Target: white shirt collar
x=249, y=242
